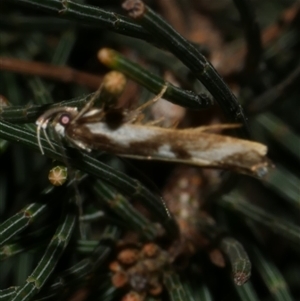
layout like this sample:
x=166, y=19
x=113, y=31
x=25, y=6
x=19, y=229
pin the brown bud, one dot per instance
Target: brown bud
x=115, y=266
x=150, y=250
x=217, y=258
x=119, y=279
x=106, y=56
x=128, y=256
x=156, y=289
x=133, y=296
x=135, y=8
x=114, y=82
x=3, y=101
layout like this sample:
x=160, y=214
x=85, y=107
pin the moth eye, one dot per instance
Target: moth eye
x=64, y=119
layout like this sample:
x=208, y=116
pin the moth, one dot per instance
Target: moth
x=123, y=134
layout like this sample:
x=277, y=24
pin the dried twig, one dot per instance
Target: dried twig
x=63, y=74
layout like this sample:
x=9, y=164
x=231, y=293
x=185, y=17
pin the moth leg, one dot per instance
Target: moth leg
x=82, y=146
x=138, y=119
x=78, y=144
x=133, y=115
x=156, y=122
x=175, y=124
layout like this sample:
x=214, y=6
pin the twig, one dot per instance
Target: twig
x=59, y=73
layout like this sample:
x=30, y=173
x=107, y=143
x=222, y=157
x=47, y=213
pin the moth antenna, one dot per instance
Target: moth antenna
x=175, y=124
x=139, y=119
x=156, y=122
x=90, y=103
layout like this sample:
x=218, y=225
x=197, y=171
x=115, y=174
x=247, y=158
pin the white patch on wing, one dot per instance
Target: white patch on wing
x=215, y=154
x=165, y=151
x=124, y=135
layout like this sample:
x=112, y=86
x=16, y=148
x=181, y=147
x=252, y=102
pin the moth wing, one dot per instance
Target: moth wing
x=229, y=152
x=195, y=147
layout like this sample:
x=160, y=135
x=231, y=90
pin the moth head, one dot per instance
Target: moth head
x=61, y=118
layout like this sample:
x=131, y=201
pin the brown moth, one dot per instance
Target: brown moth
x=90, y=129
